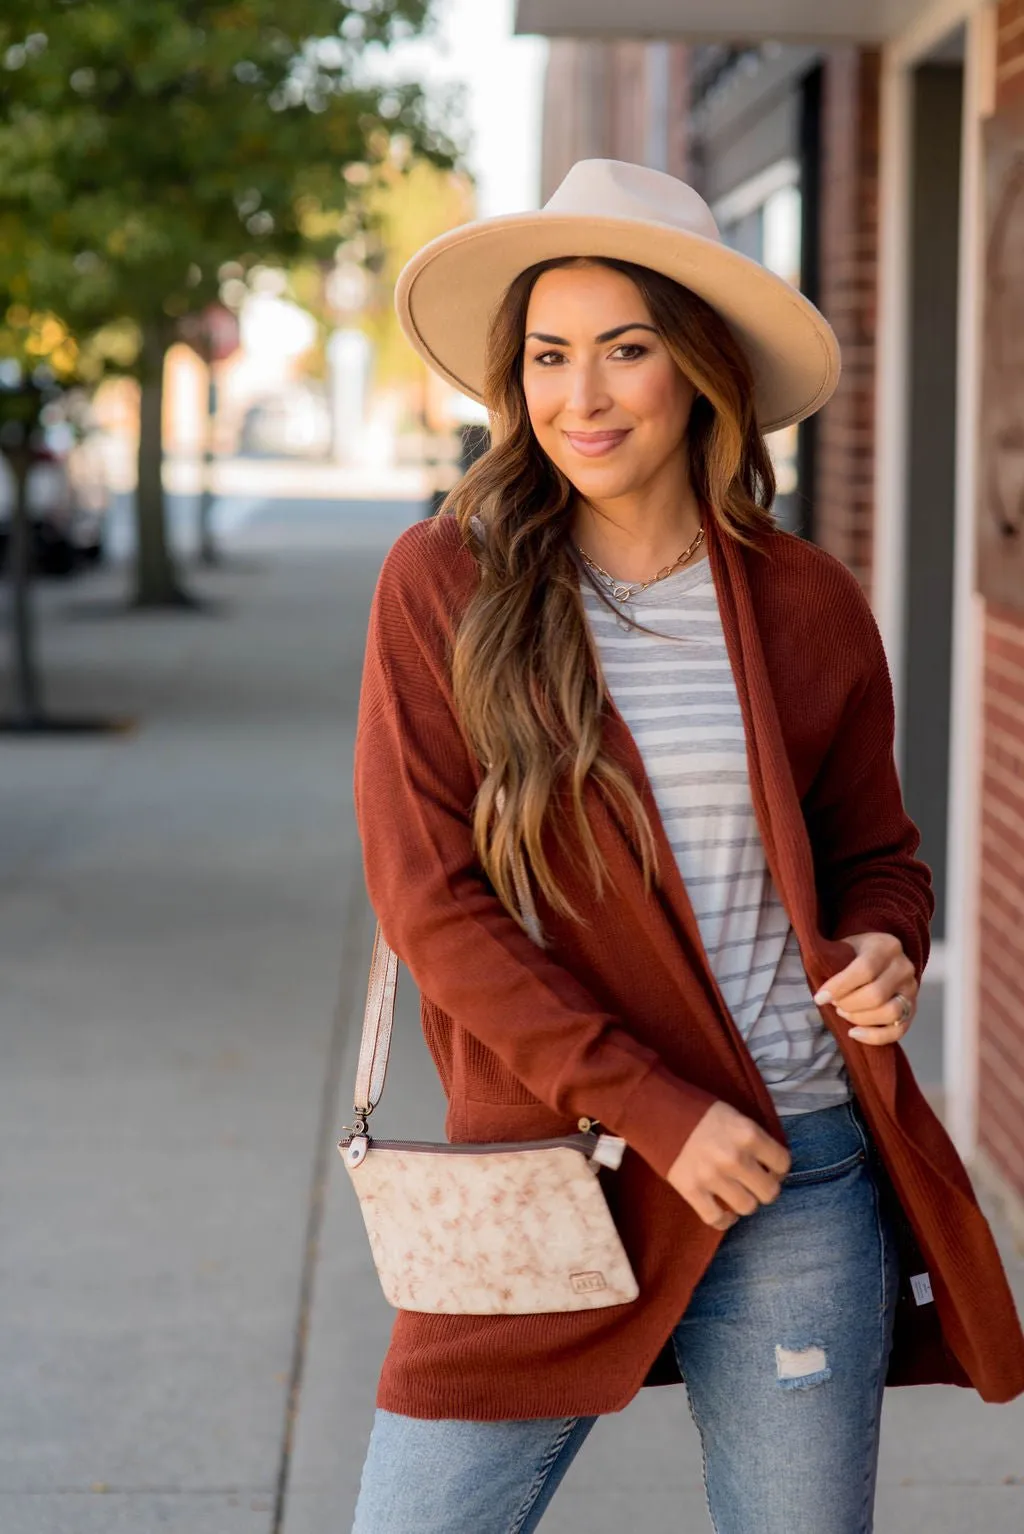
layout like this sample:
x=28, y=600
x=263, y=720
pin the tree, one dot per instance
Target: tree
x=22, y=401
x=38, y=370
x=144, y=148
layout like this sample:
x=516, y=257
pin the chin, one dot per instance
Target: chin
x=599, y=476
x=604, y=487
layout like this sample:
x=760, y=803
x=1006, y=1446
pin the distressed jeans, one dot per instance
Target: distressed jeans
x=783, y=1349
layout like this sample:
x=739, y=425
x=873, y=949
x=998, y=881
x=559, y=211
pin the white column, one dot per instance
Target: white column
x=888, y=595
x=960, y=1033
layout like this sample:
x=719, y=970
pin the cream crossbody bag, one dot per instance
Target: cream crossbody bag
x=494, y=1229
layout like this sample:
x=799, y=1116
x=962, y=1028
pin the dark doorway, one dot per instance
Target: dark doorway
x=934, y=229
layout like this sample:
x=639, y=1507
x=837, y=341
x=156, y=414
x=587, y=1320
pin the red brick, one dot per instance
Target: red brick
x=1001, y=803
x=1009, y=52
x=1001, y=1111
x=1001, y=906
x=1001, y=983
x=1000, y=1148
x=1000, y=829
x=995, y=1062
x=1001, y=1047
x=844, y=492
x=999, y=928
x=993, y=856
x=1004, y=684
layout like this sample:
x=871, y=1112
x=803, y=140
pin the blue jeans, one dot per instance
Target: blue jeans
x=783, y=1348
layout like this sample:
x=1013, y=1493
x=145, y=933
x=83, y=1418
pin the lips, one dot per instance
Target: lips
x=594, y=444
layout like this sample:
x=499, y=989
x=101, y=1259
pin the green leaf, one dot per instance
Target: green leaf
x=140, y=144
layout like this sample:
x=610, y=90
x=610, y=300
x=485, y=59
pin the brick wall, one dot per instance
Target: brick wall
x=1001, y=1010
x=1010, y=49
x=845, y=466
x=1001, y=955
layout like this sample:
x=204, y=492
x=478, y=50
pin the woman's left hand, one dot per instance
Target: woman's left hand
x=867, y=992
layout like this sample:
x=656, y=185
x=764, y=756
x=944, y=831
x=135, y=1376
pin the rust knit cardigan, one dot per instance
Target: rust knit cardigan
x=621, y=1019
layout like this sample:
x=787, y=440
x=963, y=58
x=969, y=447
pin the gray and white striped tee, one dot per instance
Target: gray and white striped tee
x=678, y=696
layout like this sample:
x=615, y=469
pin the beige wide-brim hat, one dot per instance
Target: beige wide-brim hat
x=447, y=293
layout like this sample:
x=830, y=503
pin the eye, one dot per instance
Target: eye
x=635, y=347
x=548, y=359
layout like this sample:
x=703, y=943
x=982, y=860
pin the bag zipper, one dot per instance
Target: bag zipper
x=585, y=1143
x=599, y=1149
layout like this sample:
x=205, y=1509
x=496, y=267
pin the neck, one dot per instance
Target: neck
x=633, y=536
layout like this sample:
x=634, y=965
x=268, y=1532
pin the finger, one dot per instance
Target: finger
x=890, y=1035
x=876, y=956
x=878, y=992
x=860, y=971
x=711, y=1212
x=884, y=1017
x=769, y=1153
x=734, y=1196
x=764, y=1185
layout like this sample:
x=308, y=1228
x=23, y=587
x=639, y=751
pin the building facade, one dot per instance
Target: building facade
x=859, y=156
x=615, y=99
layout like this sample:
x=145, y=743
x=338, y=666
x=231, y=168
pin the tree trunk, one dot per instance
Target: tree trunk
x=27, y=700
x=156, y=576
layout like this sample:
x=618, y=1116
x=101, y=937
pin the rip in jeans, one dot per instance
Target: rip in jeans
x=799, y=1368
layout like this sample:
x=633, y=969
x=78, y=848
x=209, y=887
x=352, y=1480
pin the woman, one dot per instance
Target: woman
x=606, y=659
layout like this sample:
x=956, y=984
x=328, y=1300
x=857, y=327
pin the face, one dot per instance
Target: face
x=606, y=401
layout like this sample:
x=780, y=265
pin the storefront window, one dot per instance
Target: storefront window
x=763, y=219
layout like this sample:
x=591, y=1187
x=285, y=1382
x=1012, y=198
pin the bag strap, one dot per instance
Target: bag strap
x=379, y=1015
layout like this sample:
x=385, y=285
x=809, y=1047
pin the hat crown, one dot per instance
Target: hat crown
x=617, y=189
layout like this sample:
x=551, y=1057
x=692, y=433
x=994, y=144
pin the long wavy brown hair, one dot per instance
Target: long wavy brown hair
x=527, y=681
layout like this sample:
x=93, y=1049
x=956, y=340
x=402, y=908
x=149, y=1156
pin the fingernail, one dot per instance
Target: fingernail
x=823, y=998
x=859, y=1033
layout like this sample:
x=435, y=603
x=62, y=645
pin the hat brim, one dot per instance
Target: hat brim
x=446, y=296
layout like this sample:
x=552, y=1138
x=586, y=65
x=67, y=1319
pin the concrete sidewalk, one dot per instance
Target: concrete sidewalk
x=191, y=1327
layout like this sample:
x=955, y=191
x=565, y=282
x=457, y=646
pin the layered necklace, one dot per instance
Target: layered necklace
x=625, y=591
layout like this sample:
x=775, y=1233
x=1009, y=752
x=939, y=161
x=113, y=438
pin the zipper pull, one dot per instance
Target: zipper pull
x=354, y=1150
x=608, y=1151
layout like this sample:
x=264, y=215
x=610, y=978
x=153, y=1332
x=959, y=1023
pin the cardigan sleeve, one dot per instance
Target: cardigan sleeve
x=863, y=840
x=414, y=789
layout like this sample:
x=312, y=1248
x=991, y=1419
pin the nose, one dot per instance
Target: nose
x=587, y=393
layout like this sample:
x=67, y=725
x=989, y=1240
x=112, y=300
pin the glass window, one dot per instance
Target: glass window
x=763, y=219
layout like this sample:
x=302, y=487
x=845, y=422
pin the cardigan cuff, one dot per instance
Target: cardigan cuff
x=875, y=918
x=659, y=1116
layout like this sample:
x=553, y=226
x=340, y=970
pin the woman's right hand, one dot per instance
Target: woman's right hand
x=729, y=1166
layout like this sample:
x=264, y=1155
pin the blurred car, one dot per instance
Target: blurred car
x=294, y=424
x=68, y=494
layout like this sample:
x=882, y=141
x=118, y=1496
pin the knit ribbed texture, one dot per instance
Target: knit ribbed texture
x=621, y=1018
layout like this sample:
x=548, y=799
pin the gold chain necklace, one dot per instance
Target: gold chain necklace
x=625, y=591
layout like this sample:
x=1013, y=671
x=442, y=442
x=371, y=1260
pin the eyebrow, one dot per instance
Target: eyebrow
x=606, y=335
